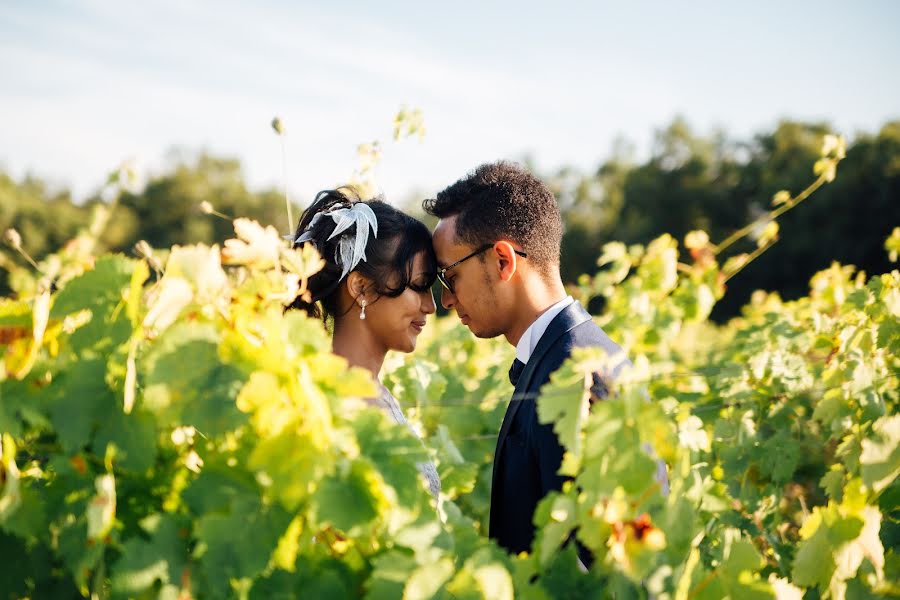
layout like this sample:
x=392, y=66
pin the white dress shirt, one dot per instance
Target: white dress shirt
x=529, y=340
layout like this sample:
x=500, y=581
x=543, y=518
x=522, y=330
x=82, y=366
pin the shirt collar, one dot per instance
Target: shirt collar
x=529, y=340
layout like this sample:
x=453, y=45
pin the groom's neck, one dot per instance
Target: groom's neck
x=535, y=295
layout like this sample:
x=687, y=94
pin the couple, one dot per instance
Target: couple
x=496, y=252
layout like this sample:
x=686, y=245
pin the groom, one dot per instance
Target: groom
x=498, y=245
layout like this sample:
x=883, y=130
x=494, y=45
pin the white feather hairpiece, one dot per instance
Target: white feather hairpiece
x=351, y=247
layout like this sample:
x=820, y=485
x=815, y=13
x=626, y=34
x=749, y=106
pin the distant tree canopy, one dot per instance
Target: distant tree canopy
x=718, y=185
x=166, y=212
x=689, y=182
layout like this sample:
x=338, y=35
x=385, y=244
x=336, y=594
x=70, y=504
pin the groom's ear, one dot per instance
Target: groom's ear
x=506, y=257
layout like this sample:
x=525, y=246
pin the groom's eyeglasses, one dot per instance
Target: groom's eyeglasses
x=442, y=273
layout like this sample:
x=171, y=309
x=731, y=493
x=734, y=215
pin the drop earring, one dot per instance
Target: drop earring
x=362, y=312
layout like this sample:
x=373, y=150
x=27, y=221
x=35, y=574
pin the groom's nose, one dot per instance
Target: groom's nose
x=447, y=298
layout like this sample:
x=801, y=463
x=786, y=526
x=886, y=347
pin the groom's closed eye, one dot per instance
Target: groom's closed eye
x=449, y=279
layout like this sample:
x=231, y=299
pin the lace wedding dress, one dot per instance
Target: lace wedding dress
x=389, y=404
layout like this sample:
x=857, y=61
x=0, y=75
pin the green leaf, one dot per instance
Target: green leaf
x=134, y=436
x=779, y=457
x=277, y=585
x=833, y=482
x=15, y=313
x=681, y=525
x=17, y=566
x=30, y=518
x=218, y=487
x=865, y=545
x=98, y=287
x=160, y=557
x=188, y=384
x=565, y=400
x=604, y=425
x=781, y=197
x=348, y=500
x=814, y=563
x=563, y=579
x=556, y=516
x=390, y=572
x=457, y=475
x=880, y=458
x=892, y=245
x=238, y=545
x=313, y=578
x=78, y=553
x=427, y=580
x=768, y=234
x=293, y=463
x=394, y=451
x=742, y=557
x=750, y=587
x=482, y=576
x=100, y=291
x=832, y=407
x=417, y=382
x=305, y=334
x=81, y=399
x=9, y=406
x=10, y=493
x=614, y=456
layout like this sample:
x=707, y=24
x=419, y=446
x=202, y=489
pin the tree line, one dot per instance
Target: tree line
x=690, y=181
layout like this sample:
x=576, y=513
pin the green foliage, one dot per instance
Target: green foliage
x=181, y=436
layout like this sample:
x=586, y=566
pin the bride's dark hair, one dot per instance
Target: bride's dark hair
x=389, y=257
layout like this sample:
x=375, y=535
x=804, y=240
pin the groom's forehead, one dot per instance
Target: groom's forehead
x=445, y=242
x=448, y=248
x=446, y=228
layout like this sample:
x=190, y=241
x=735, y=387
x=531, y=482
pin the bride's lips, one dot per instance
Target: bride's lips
x=418, y=325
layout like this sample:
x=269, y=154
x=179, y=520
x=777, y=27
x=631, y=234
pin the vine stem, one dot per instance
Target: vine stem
x=700, y=586
x=750, y=258
x=287, y=202
x=29, y=259
x=684, y=582
x=771, y=216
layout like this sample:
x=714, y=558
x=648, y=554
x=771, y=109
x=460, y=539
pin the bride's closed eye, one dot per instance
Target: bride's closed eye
x=423, y=283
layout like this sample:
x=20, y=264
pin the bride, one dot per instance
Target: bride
x=375, y=287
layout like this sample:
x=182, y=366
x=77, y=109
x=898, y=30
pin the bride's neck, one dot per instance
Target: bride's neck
x=355, y=342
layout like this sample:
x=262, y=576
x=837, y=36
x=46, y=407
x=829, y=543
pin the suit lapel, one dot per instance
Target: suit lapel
x=568, y=319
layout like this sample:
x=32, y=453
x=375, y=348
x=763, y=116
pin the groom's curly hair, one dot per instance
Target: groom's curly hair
x=502, y=200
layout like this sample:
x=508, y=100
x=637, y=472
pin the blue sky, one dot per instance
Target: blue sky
x=88, y=84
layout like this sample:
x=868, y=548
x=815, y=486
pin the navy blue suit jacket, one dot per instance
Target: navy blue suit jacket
x=529, y=454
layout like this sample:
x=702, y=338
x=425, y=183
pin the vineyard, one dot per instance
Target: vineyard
x=168, y=431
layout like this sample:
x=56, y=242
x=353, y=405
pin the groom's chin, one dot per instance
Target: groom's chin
x=484, y=334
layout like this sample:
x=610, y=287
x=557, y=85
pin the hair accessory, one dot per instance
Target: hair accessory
x=351, y=247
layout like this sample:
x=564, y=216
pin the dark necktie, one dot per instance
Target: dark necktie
x=515, y=371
